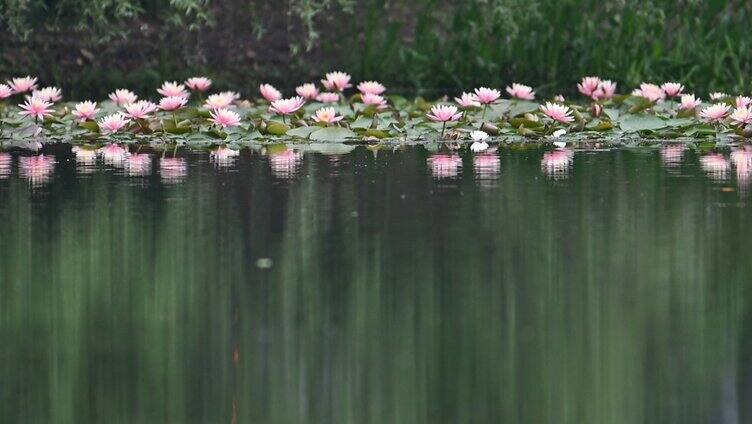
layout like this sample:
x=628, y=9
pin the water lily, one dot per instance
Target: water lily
x=219, y=101
x=672, y=89
x=558, y=112
x=520, y=91
x=307, y=91
x=286, y=106
x=50, y=94
x=741, y=116
x=269, y=93
x=140, y=109
x=479, y=141
x=336, y=81
x=589, y=85
x=327, y=115
x=123, y=97
x=200, y=84
x=36, y=108
x=173, y=103
x=715, y=113
x=651, y=92
x=111, y=124
x=370, y=99
x=85, y=110
x=138, y=164
x=487, y=96
x=467, y=100
x=224, y=118
x=23, y=85
x=689, y=102
x=718, y=95
x=371, y=87
x=478, y=135
x=5, y=91
x=327, y=97
x=444, y=114
x=173, y=89
x=743, y=101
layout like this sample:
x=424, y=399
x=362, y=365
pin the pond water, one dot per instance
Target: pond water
x=390, y=286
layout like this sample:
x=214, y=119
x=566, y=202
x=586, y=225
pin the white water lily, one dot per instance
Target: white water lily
x=478, y=135
x=558, y=133
x=478, y=146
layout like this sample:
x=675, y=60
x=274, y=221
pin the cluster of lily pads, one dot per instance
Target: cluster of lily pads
x=335, y=111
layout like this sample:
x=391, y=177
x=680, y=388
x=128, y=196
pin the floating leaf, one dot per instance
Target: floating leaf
x=302, y=132
x=641, y=123
x=332, y=134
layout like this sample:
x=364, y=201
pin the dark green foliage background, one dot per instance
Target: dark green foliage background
x=424, y=46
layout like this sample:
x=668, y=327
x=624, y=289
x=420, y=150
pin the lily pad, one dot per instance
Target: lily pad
x=332, y=134
x=641, y=123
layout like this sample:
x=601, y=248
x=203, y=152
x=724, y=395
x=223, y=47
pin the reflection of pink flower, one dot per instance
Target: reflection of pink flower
x=486, y=165
x=672, y=154
x=556, y=163
x=742, y=159
x=285, y=164
x=716, y=165
x=223, y=156
x=138, y=164
x=36, y=169
x=113, y=153
x=6, y=161
x=85, y=156
x=173, y=170
x=445, y=165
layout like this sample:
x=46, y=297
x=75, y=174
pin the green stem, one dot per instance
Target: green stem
x=443, y=127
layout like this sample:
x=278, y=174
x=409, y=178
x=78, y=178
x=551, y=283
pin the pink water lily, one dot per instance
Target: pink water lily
x=444, y=113
x=327, y=98
x=689, y=102
x=606, y=90
x=743, y=101
x=672, y=89
x=224, y=118
x=741, y=116
x=269, y=93
x=558, y=112
x=589, y=85
x=200, y=84
x=718, y=95
x=5, y=91
x=715, y=113
x=336, y=81
x=307, y=91
x=50, y=94
x=467, y=100
x=111, y=124
x=287, y=106
x=23, y=85
x=140, y=110
x=171, y=104
x=371, y=87
x=36, y=108
x=219, y=101
x=123, y=97
x=651, y=92
x=521, y=91
x=487, y=96
x=327, y=115
x=374, y=100
x=173, y=89
x=85, y=110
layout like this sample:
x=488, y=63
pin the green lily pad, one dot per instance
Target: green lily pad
x=332, y=134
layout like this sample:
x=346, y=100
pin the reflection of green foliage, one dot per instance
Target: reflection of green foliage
x=391, y=298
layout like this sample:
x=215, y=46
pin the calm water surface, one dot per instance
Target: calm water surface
x=406, y=286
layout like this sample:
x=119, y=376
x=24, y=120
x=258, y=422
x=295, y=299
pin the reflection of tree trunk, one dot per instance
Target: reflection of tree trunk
x=744, y=371
x=729, y=394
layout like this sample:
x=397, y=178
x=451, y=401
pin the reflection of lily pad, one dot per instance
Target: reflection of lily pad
x=327, y=148
x=332, y=134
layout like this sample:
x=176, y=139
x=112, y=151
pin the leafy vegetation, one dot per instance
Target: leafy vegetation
x=426, y=46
